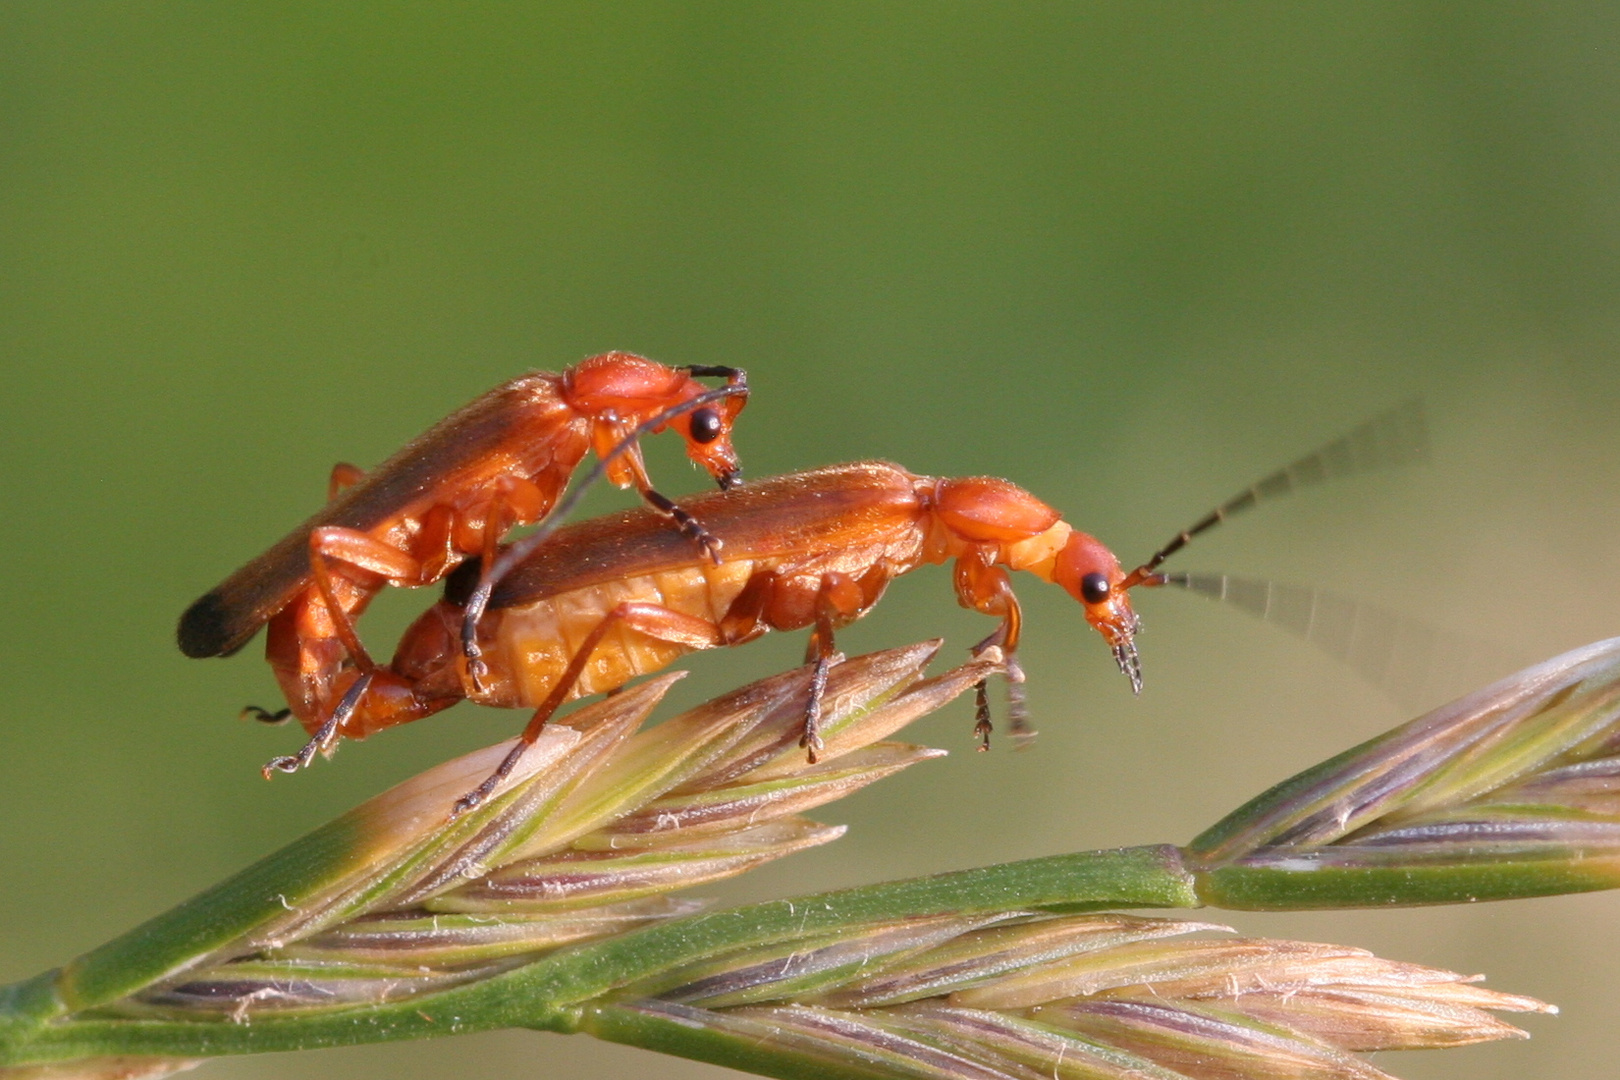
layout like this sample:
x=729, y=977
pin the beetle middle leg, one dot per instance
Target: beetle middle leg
x=653, y=620
x=331, y=545
x=839, y=600
x=820, y=652
x=789, y=601
x=514, y=501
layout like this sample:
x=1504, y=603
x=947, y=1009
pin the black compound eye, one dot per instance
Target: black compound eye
x=1094, y=588
x=706, y=426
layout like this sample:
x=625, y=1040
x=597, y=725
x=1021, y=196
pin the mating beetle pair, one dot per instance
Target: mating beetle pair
x=583, y=609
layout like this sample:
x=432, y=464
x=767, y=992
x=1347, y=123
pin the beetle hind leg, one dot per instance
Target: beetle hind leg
x=325, y=737
x=477, y=795
x=839, y=599
x=657, y=622
x=332, y=549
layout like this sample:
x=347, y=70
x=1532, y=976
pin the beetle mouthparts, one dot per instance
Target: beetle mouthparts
x=1121, y=636
x=1129, y=664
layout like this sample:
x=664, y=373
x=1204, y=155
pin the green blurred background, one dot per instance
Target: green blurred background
x=1128, y=255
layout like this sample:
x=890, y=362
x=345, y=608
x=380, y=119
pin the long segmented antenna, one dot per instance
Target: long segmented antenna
x=1414, y=664
x=1397, y=437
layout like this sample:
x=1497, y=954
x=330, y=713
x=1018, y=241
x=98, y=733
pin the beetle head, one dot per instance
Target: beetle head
x=1091, y=574
x=625, y=390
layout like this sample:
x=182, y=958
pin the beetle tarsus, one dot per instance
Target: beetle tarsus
x=477, y=795
x=324, y=741
x=1017, y=708
x=811, y=739
x=711, y=544
x=477, y=670
x=982, y=727
x=471, y=800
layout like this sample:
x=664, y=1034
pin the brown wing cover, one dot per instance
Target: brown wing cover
x=476, y=435
x=863, y=504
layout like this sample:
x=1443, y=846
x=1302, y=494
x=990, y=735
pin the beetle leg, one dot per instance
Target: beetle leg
x=343, y=476
x=434, y=548
x=819, y=652
x=326, y=735
x=264, y=716
x=655, y=621
x=330, y=544
x=811, y=739
x=982, y=727
x=634, y=470
x=839, y=600
x=1017, y=710
x=982, y=586
x=745, y=619
x=690, y=527
x=515, y=502
x=617, y=442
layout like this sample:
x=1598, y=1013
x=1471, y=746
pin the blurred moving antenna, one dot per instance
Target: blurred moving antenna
x=1413, y=663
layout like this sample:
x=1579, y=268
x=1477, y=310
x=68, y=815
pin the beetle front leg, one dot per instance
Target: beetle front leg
x=630, y=467
x=689, y=526
x=982, y=725
x=985, y=587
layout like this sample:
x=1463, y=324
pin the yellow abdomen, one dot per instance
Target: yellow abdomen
x=537, y=641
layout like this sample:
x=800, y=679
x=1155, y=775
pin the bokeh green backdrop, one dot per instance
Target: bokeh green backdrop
x=1129, y=255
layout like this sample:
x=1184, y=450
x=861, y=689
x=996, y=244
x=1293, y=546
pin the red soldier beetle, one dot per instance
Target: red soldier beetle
x=498, y=462
x=598, y=603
